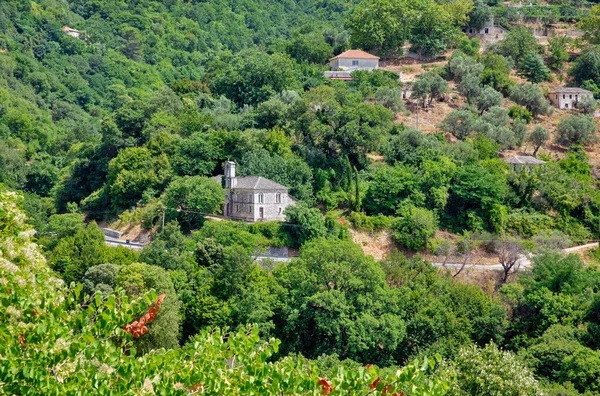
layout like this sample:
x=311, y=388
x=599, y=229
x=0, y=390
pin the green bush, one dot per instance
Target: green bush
x=520, y=113
x=364, y=222
x=527, y=223
x=415, y=227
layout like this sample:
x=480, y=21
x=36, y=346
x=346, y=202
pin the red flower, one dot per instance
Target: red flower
x=374, y=384
x=138, y=328
x=327, y=387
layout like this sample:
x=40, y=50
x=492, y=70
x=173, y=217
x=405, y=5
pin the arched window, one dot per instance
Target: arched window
x=261, y=198
x=278, y=198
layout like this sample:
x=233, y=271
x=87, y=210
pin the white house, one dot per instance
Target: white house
x=567, y=98
x=254, y=198
x=354, y=60
x=73, y=32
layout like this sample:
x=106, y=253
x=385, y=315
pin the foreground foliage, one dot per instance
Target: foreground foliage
x=54, y=340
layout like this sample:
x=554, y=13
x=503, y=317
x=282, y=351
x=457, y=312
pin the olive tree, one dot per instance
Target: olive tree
x=576, y=129
x=530, y=96
x=538, y=137
x=487, y=99
x=429, y=86
x=588, y=105
x=459, y=123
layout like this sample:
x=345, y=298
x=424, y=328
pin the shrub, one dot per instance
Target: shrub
x=414, y=228
x=528, y=223
x=520, y=113
x=361, y=221
x=531, y=97
x=588, y=105
x=491, y=371
x=576, y=129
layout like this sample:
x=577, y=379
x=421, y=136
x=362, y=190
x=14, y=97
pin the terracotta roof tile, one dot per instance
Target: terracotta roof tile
x=354, y=54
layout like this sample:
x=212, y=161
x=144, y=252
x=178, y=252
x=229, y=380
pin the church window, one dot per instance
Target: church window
x=278, y=198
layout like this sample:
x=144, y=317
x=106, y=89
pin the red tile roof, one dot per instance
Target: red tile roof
x=355, y=54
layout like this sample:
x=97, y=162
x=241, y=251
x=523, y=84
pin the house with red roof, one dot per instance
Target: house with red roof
x=354, y=60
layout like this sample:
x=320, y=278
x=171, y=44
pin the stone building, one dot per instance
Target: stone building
x=567, y=98
x=254, y=198
x=489, y=32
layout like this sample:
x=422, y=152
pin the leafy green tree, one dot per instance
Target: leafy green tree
x=538, y=137
x=588, y=105
x=252, y=77
x=582, y=369
x=491, y=371
x=496, y=72
x=558, y=51
x=407, y=145
x=548, y=352
x=102, y=278
x=414, y=227
x=168, y=250
x=429, y=86
x=42, y=175
x=459, y=123
x=532, y=67
x=190, y=197
x=530, y=96
x=470, y=87
x=196, y=155
x=390, y=98
x=310, y=47
x=460, y=66
x=271, y=113
x=337, y=293
x=72, y=256
x=287, y=170
x=436, y=26
x=586, y=67
x=138, y=279
x=469, y=47
x=487, y=99
x=518, y=43
x=389, y=187
x=474, y=192
x=589, y=24
x=381, y=23
x=576, y=129
x=134, y=171
x=307, y=223
x=520, y=113
x=480, y=15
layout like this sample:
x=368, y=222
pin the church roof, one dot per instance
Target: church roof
x=255, y=183
x=258, y=183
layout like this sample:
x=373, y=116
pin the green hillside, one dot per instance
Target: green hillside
x=126, y=120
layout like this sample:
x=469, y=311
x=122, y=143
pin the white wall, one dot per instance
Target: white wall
x=346, y=64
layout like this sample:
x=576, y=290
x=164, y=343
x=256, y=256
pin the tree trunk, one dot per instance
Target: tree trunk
x=536, y=150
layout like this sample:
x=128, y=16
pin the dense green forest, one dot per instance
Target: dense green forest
x=130, y=121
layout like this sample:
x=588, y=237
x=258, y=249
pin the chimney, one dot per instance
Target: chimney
x=230, y=179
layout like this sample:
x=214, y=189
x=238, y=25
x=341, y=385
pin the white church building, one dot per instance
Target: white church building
x=254, y=198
